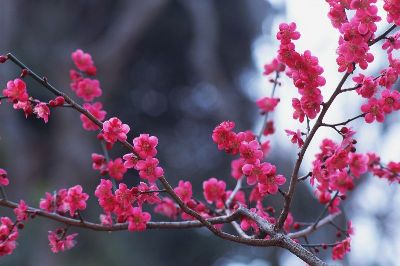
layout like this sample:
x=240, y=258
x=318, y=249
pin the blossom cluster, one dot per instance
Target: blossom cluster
x=72, y=200
x=17, y=93
x=87, y=88
x=305, y=72
x=251, y=155
x=120, y=203
x=355, y=32
x=334, y=171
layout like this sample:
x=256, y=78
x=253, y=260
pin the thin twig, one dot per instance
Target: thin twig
x=264, y=123
x=311, y=228
x=325, y=209
x=344, y=122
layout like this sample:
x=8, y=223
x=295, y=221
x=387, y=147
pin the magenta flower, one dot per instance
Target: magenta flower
x=16, y=90
x=96, y=110
x=145, y=145
x=76, y=199
x=114, y=130
x=149, y=169
x=137, y=220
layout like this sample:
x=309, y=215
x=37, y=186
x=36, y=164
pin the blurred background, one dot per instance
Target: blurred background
x=176, y=69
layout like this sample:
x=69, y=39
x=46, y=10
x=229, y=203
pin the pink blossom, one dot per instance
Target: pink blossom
x=125, y=196
x=167, y=207
x=184, y=190
x=145, y=145
x=16, y=90
x=84, y=62
x=337, y=14
x=392, y=7
x=287, y=32
x=76, y=199
x=25, y=106
x=214, y=191
x=274, y=66
x=269, y=181
x=298, y=111
x=368, y=86
x=96, y=110
x=61, y=242
x=296, y=137
x=236, y=166
x=288, y=223
x=42, y=111
x=130, y=160
x=149, y=169
x=106, y=219
x=55, y=202
x=99, y=163
x=137, y=220
x=21, y=211
x=88, y=89
x=116, y=169
x=3, y=178
x=388, y=77
x=358, y=164
x=247, y=223
x=390, y=101
x=267, y=104
x=269, y=128
x=373, y=111
x=224, y=137
x=8, y=236
x=350, y=229
x=392, y=43
x=341, y=249
x=250, y=151
x=105, y=196
x=145, y=196
x=114, y=130
x=58, y=101
x=342, y=182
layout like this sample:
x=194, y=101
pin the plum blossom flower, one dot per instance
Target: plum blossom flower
x=21, y=211
x=167, y=207
x=8, y=236
x=296, y=137
x=3, y=178
x=16, y=90
x=138, y=219
x=88, y=89
x=184, y=190
x=149, y=169
x=214, y=191
x=373, y=111
x=130, y=160
x=341, y=249
x=96, y=110
x=267, y=104
x=61, y=242
x=84, y=62
x=76, y=199
x=116, y=169
x=114, y=130
x=145, y=145
x=42, y=111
